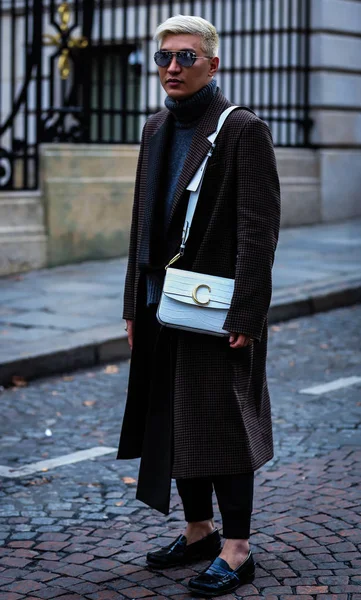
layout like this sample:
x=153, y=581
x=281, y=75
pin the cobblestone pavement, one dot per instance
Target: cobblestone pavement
x=76, y=532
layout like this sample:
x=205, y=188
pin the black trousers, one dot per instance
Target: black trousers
x=235, y=500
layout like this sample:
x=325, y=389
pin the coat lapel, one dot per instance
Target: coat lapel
x=156, y=152
x=157, y=149
x=155, y=173
x=199, y=147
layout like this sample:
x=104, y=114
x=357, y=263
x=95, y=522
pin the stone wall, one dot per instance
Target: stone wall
x=83, y=211
x=88, y=194
x=335, y=84
x=335, y=98
x=299, y=173
x=23, y=240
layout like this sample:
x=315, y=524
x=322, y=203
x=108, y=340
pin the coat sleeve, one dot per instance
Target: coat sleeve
x=258, y=219
x=129, y=288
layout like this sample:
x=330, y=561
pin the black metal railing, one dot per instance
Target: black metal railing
x=83, y=71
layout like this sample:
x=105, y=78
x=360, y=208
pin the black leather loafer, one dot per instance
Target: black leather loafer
x=220, y=579
x=178, y=553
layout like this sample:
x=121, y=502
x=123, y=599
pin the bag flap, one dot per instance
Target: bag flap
x=198, y=289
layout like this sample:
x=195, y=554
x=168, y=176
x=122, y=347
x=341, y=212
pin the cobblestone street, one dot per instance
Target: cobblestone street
x=76, y=532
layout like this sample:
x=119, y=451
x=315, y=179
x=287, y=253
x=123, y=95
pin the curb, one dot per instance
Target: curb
x=306, y=300
x=67, y=353
x=100, y=345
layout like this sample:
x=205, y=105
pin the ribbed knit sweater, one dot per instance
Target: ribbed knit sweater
x=187, y=114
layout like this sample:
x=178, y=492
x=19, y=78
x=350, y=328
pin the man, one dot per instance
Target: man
x=198, y=407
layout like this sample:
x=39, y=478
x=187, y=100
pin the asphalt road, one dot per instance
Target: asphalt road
x=75, y=531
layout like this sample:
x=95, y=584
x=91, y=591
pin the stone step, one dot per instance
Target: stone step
x=22, y=253
x=23, y=240
x=20, y=231
x=297, y=163
x=299, y=173
x=90, y=162
x=19, y=210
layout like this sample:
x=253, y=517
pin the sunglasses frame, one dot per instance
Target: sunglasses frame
x=170, y=55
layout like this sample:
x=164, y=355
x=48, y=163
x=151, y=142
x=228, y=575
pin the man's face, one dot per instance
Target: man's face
x=181, y=82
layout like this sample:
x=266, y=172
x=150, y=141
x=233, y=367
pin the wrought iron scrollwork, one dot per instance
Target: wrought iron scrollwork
x=63, y=125
x=41, y=110
x=5, y=168
x=64, y=41
x=67, y=123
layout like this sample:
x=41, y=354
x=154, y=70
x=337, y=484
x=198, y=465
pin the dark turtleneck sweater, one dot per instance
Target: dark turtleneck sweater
x=187, y=114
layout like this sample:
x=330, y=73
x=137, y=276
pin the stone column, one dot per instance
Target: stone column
x=335, y=99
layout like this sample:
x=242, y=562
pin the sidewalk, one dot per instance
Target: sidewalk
x=56, y=320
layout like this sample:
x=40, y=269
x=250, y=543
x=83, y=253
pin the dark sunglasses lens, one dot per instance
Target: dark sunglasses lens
x=185, y=59
x=162, y=59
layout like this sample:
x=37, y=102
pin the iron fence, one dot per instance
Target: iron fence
x=83, y=71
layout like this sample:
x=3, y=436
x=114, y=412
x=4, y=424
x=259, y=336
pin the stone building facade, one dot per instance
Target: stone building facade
x=69, y=145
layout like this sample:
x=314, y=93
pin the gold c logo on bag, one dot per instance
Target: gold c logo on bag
x=195, y=291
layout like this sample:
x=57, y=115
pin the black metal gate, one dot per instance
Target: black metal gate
x=82, y=71
x=44, y=94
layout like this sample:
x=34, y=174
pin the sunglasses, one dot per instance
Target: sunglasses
x=185, y=58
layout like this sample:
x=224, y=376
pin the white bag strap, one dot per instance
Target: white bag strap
x=196, y=182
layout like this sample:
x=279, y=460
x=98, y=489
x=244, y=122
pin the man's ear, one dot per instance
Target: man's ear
x=213, y=66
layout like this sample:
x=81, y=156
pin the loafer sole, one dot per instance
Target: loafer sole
x=212, y=594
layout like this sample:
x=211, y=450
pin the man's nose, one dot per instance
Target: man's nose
x=173, y=65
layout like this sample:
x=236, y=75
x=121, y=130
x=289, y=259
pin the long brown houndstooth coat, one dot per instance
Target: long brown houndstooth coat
x=220, y=421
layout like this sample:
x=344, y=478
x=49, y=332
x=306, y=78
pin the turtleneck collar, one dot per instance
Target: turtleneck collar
x=191, y=109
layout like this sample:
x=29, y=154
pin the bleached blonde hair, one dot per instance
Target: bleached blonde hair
x=182, y=24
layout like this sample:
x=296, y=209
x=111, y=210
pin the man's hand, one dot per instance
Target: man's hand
x=238, y=340
x=129, y=330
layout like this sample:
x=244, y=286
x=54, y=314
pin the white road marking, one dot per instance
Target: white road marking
x=337, y=384
x=51, y=463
